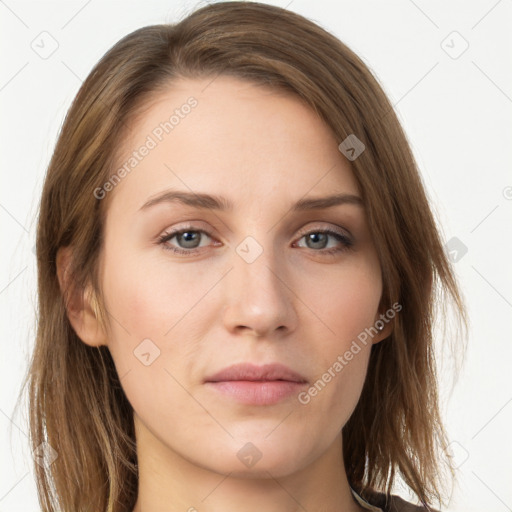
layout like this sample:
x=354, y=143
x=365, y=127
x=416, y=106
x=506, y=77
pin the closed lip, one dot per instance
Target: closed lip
x=255, y=373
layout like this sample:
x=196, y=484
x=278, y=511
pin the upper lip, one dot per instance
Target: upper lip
x=251, y=372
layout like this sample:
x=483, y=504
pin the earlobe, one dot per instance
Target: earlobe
x=81, y=308
x=384, y=328
x=383, y=333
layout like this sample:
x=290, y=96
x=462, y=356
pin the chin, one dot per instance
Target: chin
x=254, y=456
x=277, y=468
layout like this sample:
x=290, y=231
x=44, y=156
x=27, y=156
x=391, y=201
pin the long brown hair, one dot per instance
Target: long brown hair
x=77, y=405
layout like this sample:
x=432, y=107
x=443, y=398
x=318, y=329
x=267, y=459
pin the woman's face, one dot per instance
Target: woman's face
x=256, y=283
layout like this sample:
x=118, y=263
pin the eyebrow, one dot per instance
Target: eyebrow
x=213, y=202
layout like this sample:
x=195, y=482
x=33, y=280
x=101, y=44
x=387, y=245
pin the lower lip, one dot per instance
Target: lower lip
x=257, y=392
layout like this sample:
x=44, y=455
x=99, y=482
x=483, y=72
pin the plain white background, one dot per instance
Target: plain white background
x=446, y=68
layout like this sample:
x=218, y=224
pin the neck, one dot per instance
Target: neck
x=170, y=483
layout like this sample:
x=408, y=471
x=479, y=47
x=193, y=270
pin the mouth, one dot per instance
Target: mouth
x=256, y=385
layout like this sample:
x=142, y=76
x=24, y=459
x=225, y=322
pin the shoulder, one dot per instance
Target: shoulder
x=394, y=503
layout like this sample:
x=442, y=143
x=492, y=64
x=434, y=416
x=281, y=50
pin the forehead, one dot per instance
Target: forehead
x=232, y=138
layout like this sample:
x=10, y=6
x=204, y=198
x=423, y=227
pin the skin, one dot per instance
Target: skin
x=264, y=151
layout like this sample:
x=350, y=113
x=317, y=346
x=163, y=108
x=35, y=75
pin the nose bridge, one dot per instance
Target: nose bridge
x=259, y=300
x=255, y=263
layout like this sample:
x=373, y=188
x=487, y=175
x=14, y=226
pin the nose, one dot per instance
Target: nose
x=259, y=300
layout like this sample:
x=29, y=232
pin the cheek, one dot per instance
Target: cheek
x=347, y=300
x=153, y=342
x=347, y=306
x=157, y=325
x=150, y=299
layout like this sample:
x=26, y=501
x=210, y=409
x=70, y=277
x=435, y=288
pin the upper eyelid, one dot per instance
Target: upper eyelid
x=207, y=231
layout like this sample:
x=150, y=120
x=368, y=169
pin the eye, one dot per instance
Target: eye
x=188, y=237
x=189, y=240
x=318, y=239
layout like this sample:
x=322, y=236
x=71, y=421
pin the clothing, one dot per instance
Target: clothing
x=364, y=503
x=394, y=503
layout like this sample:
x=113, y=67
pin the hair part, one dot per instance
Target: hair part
x=77, y=404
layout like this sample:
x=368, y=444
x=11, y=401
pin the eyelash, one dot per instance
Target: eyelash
x=347, y=243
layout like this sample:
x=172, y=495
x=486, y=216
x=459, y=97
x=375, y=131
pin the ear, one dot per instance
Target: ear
x=81, y=306
x=385, y=320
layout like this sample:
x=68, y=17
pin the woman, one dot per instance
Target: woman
x=238, y=275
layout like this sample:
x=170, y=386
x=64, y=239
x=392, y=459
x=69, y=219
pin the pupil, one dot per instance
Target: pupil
x=316, y=236
x=188, y=236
